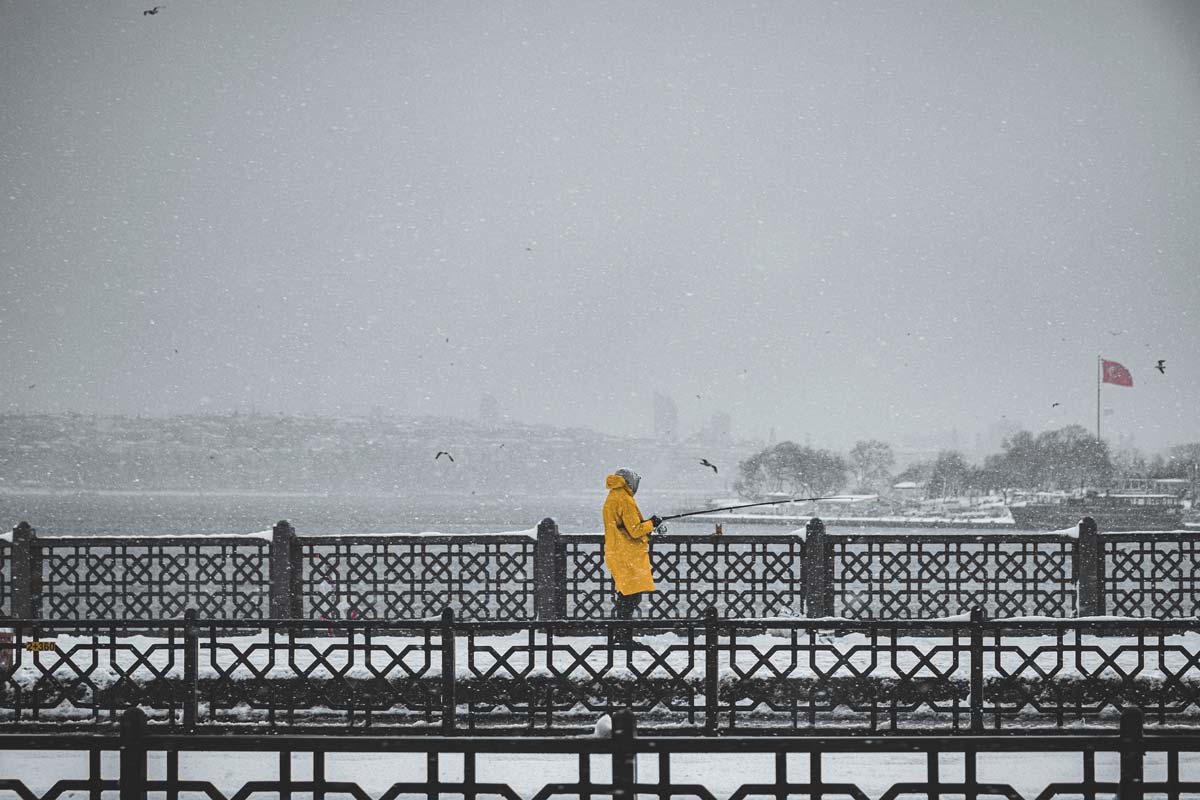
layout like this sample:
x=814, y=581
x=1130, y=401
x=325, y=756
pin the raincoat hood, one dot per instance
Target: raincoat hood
x=624, y=477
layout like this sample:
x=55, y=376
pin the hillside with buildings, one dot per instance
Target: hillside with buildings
x=360, y=455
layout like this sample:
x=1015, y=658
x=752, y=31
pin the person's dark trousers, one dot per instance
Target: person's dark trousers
x=625, y=605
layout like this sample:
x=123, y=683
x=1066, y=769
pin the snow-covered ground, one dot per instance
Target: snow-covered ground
x=722, y=774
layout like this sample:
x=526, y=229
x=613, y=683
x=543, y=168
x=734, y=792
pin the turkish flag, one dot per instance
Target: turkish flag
x=1115, y=373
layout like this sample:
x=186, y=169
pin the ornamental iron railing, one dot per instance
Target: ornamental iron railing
x=1151, y=574
x=710, y=675
x=542, y=574
x=141, y=577
x=406, y=576
x=1126, y=763
x=740, y=576
x=937, y=575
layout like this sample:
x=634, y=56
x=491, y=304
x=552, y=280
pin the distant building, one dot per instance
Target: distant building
x=1175, y=486
x=720, y=427
x=666, y=418
x=909, y=490
x=717, y=431
x=489, y=410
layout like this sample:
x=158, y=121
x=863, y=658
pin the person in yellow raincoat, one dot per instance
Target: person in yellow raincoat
x=627, y=541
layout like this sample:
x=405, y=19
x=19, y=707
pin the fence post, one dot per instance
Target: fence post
x=712, y=684
x=1089, y=571
x=26, y=573
x=624, y=759
x=549, y=572
x=280, y=569
x=1131, y=747
x=449, y=673
x=296, y=576
x=978, y=616
x=191, y=669
x=133, y=755
x=817, y=571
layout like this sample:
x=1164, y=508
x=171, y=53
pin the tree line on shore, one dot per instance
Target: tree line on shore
x=1068, y=458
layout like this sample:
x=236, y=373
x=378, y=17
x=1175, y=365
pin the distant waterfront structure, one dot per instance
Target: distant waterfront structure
x=909, y=490
x=666, y=418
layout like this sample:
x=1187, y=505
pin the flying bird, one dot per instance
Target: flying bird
x=441, y=453
x=1055, y=405
x=711, y=466
x=1161, y=366
x=150, y=12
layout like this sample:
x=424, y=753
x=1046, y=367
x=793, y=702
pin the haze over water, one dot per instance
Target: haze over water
x=840, y=221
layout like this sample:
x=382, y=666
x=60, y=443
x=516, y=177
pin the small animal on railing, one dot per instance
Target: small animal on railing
x=718, y=530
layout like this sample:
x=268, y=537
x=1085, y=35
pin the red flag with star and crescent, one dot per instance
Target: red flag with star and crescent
x=1115, y=373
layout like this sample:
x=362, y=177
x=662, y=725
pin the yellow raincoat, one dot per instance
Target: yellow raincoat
x=626, y=539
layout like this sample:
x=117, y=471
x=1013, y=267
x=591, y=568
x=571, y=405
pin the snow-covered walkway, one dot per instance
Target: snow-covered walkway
x=723, y=774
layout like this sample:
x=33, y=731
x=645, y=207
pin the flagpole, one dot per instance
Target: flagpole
x=1098, y=371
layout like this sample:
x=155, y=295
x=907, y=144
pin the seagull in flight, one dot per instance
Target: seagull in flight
x=441, y=453
x=1055, y=405
x=1161, y=366
x=710, y=465
x=150, y=12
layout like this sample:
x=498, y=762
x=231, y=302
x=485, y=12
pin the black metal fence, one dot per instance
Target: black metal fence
x=793, y=766
x=6, y=575
x=543, y=574
x=710, y=675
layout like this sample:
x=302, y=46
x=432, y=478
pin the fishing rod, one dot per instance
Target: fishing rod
x=754, y=505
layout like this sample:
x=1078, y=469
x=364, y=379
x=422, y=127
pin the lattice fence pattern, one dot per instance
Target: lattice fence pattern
x=412, y=576
x=1151, y=575
x=783, y=676
x=344, y=677
x=1072, y=674
x=90, y=677
x=743, y=576
x=871, y=677
x=936, y=576
x=153, y=578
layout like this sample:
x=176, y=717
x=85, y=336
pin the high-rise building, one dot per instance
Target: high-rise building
x=666, y=418
x=720, y=427
x=489, y=410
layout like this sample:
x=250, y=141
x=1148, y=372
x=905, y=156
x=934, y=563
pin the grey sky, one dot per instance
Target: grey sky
x=840, y=220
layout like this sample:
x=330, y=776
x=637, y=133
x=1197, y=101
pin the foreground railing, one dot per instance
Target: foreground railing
x=543, y=574
x=697, y=676
x=620, y=764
